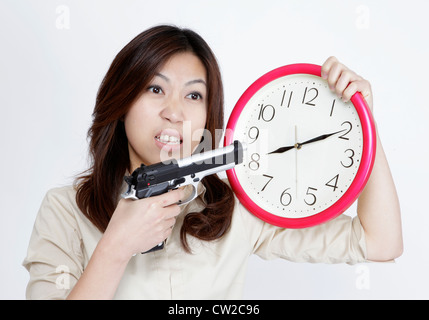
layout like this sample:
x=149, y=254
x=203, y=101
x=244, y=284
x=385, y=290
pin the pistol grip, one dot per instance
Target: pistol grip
x=160, y=246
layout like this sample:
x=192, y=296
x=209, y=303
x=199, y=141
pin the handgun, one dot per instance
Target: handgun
x=159, y=178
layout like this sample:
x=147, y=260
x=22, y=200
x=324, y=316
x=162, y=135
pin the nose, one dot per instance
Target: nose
x=173, y=110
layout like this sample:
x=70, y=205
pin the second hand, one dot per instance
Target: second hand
x=296, y=163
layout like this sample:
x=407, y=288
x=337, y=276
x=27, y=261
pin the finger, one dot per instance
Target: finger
x=334, y=74
x=167, y=232
x=167, y=227
x=169, y=223
x=170, y=198
x=346, y=77
x=171, y=211
x=327, y=65
x=163, y=228
x=362, y=86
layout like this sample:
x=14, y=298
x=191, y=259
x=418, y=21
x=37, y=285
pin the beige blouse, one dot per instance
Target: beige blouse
x=63, y=241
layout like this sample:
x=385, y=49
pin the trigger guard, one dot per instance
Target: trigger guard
x=190, y=198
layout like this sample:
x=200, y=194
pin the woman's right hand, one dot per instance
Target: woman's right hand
x=139, y=225
x=136, y=226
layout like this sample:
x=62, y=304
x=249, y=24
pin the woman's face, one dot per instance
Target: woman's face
x=168, y=118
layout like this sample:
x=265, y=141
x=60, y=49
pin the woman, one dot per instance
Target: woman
x=85, y=236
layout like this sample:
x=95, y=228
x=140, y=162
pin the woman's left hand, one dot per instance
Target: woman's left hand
x=345, y=82
x=378, y=206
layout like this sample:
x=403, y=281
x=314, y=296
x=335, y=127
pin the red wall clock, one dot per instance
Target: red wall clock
x=309, y=154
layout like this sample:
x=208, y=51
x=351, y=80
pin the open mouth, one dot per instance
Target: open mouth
x=169, y=137
x=170, y=140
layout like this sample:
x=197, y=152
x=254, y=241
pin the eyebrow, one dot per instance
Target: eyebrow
x=195, y=81
x=186, y=84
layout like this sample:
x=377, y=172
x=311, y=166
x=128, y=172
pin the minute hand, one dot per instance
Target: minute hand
x=322, y=137
x=299, y=145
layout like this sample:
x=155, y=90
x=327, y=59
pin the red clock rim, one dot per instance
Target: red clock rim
x=362, y=175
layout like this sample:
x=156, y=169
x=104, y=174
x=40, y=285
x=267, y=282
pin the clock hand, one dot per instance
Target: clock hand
x=296, y=164
x=322, y=137
x=282, y=149
x=299, y=145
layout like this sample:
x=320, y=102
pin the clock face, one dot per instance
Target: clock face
x=304, y=150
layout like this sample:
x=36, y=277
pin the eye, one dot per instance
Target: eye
x=155, y=89
x=194, y=96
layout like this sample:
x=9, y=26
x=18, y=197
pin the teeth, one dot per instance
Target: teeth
x=168, y=139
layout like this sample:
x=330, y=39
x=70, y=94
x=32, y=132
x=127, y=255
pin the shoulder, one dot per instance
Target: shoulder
x=60, y=201
x=61, y=224
x=59, y=211
x=61, y=195
x=58, y=208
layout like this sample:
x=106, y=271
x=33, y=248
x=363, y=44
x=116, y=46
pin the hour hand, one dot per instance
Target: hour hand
x=282, y=149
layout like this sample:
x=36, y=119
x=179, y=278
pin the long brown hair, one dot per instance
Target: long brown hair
x=98, y=188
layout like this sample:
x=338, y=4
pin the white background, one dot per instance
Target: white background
x=53, y=57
